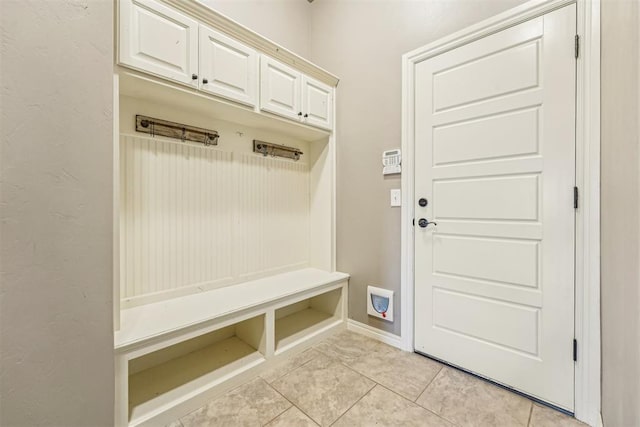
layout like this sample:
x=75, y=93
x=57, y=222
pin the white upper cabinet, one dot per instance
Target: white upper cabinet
x=317, y=103
x=158, y=39
x=280, y=89
x=227, y=67
x=289, y=93
x=166, y=42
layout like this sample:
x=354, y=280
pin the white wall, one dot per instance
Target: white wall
x=362, y=43
x=285, y=22
x=620, y=213
x=56, y=334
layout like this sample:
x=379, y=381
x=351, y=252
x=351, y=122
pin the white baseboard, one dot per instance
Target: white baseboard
x=375, y=333
x=593, y=419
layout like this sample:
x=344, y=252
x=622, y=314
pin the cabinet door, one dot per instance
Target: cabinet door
x=280, y=89
x=317, y=103
x=227, y=67
x=157, y=39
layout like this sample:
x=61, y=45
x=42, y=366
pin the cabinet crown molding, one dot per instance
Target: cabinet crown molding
x=208, y=16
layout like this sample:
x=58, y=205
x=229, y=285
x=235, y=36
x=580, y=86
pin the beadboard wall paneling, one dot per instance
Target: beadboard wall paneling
x=175, y=223
x=273, y=220
x=195, y=218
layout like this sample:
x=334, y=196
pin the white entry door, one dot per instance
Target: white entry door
x=495, y=165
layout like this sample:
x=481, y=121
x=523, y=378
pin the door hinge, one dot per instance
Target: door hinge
x=575, y=197
x=577, y=46
x=575, y=350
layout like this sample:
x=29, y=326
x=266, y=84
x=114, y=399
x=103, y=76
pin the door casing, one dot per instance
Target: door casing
x=587, y=293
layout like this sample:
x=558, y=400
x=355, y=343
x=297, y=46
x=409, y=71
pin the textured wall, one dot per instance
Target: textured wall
x=285, y=22
x=362, y=43
x=56, y=339
x=620, y=213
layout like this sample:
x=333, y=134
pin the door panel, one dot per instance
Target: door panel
x=228, y=67
x=158, y=39
x=457, y=312
x=511, y=197
x=280, y=89
x=475, y=258
x=505, y=72
x=504, y=135
x=317, y=103
x=495, y=157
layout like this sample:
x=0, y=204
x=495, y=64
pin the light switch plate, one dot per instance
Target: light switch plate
x=396, y=197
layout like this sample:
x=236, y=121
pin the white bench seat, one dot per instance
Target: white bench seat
x=152, y=321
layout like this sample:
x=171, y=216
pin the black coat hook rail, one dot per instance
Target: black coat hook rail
x=153, y=127
x=269, y=149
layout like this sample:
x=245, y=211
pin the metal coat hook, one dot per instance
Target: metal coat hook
x=275, y=150
x=179, y=131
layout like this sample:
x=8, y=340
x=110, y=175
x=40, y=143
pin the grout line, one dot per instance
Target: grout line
x=430, y=410
x=355, y=403
x=291, y=371
x=530, y=414
x=430, y=382
x=453, y=423
x=285, y=362
x=419, y=406
x=273, y=419
x=340, y=362
x=281, y=395
x=292, y=404
x=357, y=372
x=377, y=382
x=396, y=393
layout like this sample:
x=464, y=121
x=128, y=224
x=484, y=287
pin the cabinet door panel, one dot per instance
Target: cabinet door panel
x=229, y=67
x=279, y=89
x=157, y=39
x=317, y=103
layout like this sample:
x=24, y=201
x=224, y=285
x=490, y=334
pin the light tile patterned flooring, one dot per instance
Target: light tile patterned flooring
x=349, y=380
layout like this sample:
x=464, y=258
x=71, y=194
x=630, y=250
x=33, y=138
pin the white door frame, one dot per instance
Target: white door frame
x=587, y=297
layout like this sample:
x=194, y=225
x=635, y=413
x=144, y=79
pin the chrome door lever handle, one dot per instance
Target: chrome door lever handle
x=424, y=223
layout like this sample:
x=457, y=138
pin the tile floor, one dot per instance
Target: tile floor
x=350, y=380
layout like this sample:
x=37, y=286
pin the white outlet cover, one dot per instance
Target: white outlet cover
x=396, y=197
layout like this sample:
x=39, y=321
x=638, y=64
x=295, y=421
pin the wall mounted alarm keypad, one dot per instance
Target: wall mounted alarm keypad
x=391, y=162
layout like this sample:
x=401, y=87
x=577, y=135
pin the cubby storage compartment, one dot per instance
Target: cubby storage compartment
x=172, y=374
x=303, y=319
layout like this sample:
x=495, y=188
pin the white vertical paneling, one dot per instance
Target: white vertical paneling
x=169, y=239
x=273, y=215
x=195, y=218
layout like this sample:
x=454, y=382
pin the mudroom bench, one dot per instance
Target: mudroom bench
x=173, y=356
